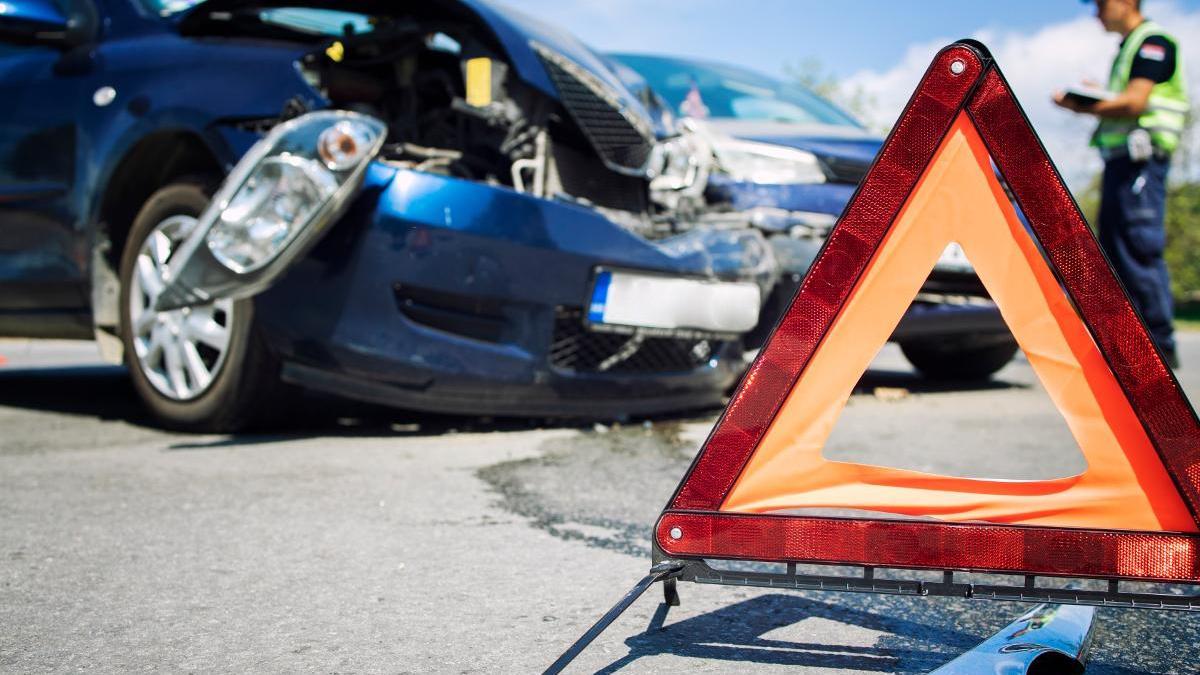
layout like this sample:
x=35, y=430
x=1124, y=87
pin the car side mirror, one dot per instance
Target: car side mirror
x=44, y=22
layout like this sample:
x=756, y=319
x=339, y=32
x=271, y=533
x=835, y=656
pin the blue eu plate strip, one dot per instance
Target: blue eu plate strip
x=599, y=297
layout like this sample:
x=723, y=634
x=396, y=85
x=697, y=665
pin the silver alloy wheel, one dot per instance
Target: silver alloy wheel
x=180, y=351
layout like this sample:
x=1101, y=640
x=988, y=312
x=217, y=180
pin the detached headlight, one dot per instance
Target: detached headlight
x=301, y=175
x=767, y=163
x=273, y=207
x=281, y=194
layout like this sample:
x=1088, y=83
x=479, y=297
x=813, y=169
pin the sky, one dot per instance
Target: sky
x=883, y=47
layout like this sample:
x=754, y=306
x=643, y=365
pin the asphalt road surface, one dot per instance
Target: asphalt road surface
x=363, y=540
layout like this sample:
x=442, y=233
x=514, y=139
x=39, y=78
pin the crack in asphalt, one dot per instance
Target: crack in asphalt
x=659, y=450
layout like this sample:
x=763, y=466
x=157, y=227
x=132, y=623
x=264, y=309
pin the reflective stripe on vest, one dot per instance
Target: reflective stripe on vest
x=1166, y=111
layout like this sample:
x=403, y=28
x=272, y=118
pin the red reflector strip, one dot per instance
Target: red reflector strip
x=1148, y=556
x=1073, y=251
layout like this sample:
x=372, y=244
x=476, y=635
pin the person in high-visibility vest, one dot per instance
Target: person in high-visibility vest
x=1142, y=118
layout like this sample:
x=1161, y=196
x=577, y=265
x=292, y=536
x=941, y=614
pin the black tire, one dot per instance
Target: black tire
x=972, y=358
x=245, y=388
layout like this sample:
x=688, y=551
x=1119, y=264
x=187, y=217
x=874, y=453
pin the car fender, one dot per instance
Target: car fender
x=205, y=103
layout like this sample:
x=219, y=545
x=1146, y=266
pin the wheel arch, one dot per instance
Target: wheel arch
x=148, y=164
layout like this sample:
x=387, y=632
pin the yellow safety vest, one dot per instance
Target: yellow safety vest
x=1166, y=113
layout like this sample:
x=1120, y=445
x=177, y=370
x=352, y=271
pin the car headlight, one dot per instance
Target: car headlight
x=767, y=163
x=679, y=168
x=273, y=206
x=265, y=214
x=300, y=176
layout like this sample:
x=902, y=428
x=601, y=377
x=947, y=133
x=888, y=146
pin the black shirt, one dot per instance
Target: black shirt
x=1155, y=60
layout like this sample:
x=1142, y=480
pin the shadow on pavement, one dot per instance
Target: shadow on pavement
x=100, y=391
x=378, y=423
x=736, y=634
x=104, y=392
x=740, y=633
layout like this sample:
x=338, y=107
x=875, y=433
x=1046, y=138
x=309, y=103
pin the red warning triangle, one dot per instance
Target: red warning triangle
x=758, y=480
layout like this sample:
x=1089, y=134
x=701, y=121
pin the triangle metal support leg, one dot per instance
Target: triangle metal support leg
x=670, y=592
x=663, y=571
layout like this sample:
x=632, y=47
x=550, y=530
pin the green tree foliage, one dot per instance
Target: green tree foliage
x=1089, y=201
x=1183, y=239
x=1183, y=217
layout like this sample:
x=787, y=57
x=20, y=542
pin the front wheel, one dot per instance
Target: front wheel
x=972, y=358
x=200, y=368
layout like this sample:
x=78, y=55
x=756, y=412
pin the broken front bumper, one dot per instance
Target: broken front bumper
x=448, y=295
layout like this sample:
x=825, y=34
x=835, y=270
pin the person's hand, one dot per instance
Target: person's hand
x=1061, y=99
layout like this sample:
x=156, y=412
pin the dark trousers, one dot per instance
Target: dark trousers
x=1132, y=206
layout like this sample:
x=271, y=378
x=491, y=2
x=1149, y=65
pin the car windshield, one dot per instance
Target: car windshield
x=318, y=21
x=710, y=90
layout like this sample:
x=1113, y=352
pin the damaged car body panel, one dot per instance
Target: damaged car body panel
x=444, y=206
x=791, y=161
x=483, y=308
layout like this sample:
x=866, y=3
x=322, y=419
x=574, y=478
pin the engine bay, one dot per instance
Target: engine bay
x=454, y=106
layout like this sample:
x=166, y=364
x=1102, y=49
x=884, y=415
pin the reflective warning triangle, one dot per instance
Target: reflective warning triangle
x=755, y=486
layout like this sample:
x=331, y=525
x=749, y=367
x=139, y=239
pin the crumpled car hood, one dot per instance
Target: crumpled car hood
x=513, y=30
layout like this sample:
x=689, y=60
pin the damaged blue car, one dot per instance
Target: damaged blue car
x=442, y=206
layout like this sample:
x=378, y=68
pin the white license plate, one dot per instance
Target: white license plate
x=670, y=303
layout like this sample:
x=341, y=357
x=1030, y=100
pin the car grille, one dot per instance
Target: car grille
x=619, y=137
x=582, y=174
x=579, y=350
x=842, y=170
